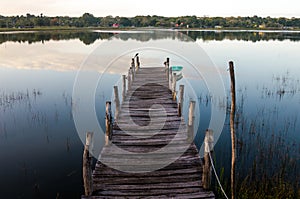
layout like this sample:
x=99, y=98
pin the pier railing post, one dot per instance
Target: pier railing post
x=124, y=87
x=170, y=78
x=191, y=119
x=174, y=86
x=208, y=150
x=137, y=63
x=129, y=79
x=87, y=165
x=133, y=66
x=180, y=101
x=117, y=102
x=167, y=68
x=132, y=73
x=108, y=122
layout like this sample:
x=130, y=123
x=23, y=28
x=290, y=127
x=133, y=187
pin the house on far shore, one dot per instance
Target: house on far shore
x=115, y=25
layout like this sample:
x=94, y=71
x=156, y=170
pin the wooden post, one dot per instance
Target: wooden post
x=133, y=65
x=232, y=129
x=117, y=102
x=129, y=79
x=208, y=148
x=167, y=67
x=124, y=87
x=170, y=79
x=108, y=123
x=87, y=165
x=137, y=62
x=132, y=73
x=180, y=101
x=174, y=86
x=191, y=119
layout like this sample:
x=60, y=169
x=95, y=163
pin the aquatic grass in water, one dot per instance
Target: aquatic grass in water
x=268, y=148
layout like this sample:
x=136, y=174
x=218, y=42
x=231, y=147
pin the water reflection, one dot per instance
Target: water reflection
x=89, y=37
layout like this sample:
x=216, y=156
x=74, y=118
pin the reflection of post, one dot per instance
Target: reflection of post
x=124, y=87
x=174, y=86
x=191, y=119
x=117, y=102
x=208, y=148
x=108, y=123
x=87, y=165
x=232, y=130
x=180, y=101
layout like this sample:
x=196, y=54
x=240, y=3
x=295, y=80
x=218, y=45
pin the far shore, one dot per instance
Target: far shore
x=79, y=29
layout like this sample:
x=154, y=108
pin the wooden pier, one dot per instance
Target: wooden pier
x=149, y=103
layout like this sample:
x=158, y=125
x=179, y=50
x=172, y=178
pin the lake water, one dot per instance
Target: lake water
x=40, y=130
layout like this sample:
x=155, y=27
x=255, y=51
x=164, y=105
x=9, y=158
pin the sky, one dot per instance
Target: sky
x=130, y=8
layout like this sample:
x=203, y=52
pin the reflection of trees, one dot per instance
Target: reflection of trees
x=86, y=37
x=89, y=37
x=243, y=35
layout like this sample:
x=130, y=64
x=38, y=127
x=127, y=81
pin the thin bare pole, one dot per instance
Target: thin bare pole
x=232, y=129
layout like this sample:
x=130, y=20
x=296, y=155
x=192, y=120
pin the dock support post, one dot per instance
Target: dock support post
x=132, y=73
x=117, y=102
x=124, y=87
x=170, y=78
x=108, y=123
x=133, y=66
x=87, y=165
x=137, y=62
x=129, y=79
x=191, y=119
x=174, y=86
x=167, y=68
x=180, y=101
x=208, y=148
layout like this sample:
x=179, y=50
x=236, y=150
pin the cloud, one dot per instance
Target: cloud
x=156, y=7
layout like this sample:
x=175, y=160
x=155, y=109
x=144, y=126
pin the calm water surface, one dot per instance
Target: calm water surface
x=41, y=151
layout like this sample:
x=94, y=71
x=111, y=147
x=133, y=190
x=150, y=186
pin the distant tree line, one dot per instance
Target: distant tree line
x=89, y=20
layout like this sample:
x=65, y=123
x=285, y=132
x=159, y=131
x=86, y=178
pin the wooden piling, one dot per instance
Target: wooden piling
x=167, y=67
x=132, y=73
x=191, y=119
x=232, y=129
x=124, y=87
x=174, y=86
x=137, y=63
x=133, y=65
x=129, y=79
x=180, y=101
x=208, y=148
x=170, y=78
x=117, y=102
x=108, y=123
x=87, y=165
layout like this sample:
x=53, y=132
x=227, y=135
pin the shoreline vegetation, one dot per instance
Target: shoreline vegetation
x=81, y=29
x=88, y=21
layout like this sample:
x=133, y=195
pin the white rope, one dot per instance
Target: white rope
x=212, y=164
